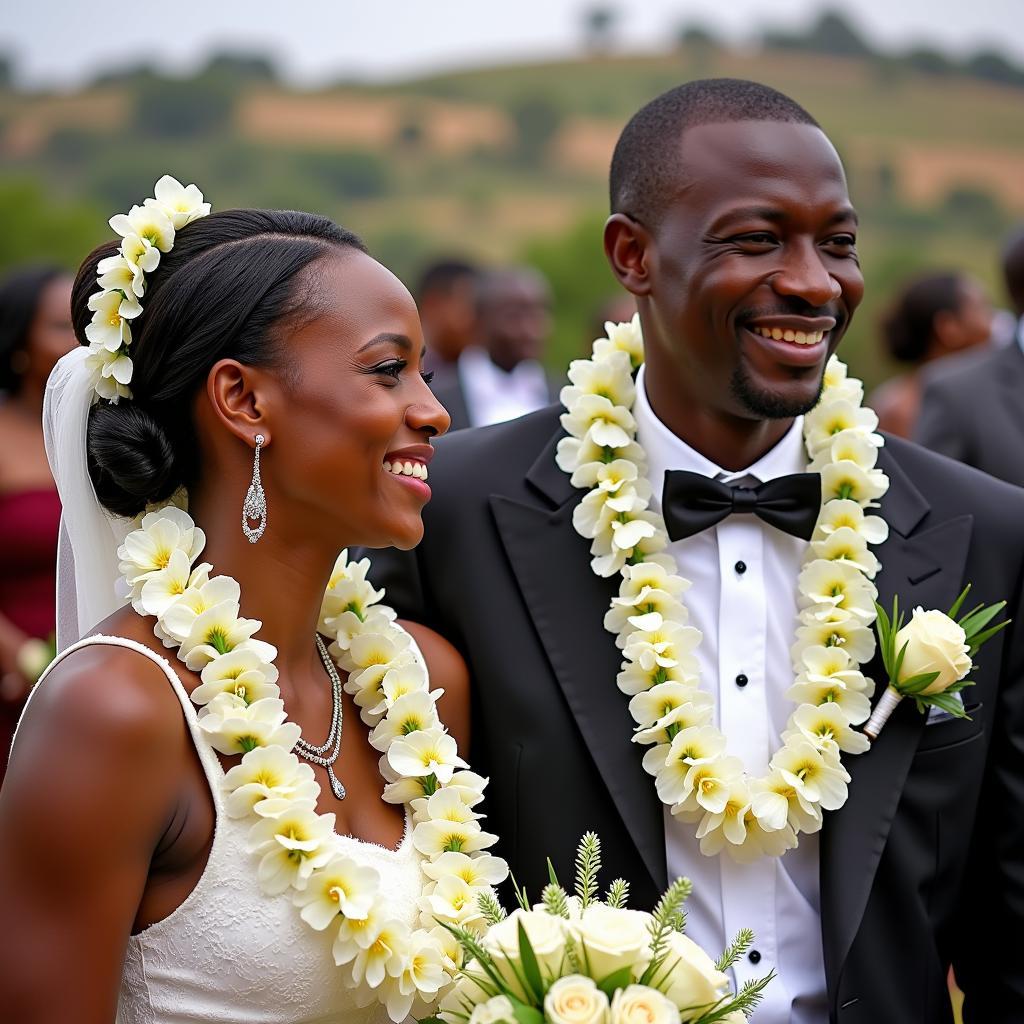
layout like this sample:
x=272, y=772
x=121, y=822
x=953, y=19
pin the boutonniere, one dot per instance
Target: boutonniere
x=929, y=657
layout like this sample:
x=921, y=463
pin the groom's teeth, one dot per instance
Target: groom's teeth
x=799, y=337
x=387, y=467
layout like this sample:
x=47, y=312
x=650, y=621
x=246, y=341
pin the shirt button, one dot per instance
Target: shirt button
x=742, y=680
x=740, y=567
x=754, y=957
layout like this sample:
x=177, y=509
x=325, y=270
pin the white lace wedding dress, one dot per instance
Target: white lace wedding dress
x=231, y=954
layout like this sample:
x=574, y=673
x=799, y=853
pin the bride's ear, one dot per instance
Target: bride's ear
x=239, y=399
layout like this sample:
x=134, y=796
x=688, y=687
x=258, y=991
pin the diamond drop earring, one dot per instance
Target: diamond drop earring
x=255, y=505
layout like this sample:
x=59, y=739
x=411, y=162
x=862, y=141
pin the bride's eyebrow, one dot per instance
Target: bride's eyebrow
x=388, y=339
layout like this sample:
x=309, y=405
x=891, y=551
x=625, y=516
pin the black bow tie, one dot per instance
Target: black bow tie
x=691, y=502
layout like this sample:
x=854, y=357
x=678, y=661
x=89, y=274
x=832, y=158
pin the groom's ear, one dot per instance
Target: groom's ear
x=239, y=396
x=626, y=244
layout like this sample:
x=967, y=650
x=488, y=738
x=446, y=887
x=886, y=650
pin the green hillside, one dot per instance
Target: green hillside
x=508, y=162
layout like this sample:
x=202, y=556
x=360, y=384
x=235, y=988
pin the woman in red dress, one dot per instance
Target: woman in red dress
x=35, y=331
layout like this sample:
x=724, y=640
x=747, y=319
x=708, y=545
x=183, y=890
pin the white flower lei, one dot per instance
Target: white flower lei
x=298, y=855
x=747, y=815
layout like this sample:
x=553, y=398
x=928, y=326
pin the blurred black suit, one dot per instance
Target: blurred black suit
x=972, y=410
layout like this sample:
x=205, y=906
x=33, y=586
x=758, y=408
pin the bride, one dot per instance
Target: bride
x=175, y=842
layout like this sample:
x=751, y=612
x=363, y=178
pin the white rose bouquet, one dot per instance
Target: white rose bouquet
x=581, y=960
x=929, y=657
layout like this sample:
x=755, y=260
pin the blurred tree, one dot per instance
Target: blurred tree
x=38, y=229
x=994, y=67
x=975, y=208
x=832, y=33
x=930, y=61
x=183, y=108
x=347, y=173
x=537, y=120
x=6, y=71
x=599, y=24
x=691, y=35
x=242, y=67
x=580, y=279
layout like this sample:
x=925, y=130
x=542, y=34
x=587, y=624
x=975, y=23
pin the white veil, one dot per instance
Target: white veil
x=87, y=574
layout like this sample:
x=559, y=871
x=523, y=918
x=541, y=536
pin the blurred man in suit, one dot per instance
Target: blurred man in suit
x=445, y=296
x=973, y=405
x=501, y=377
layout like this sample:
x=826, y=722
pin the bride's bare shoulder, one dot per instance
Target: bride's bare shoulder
x=108, y=694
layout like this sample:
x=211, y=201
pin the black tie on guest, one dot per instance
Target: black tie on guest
x=691, y=502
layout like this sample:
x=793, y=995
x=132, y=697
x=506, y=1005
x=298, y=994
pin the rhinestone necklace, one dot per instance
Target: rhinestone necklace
x=319, y=755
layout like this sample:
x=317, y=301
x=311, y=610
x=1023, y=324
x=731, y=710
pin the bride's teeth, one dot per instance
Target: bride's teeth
x=387, y=467
x=407, y=469
x=802, y=339
x=777, y=333
x=789, y=336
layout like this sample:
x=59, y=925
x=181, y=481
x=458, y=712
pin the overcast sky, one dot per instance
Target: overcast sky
x=64, y=42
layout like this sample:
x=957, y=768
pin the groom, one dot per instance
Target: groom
x=731, y=219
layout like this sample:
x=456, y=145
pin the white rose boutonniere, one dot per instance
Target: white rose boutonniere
x=929, y=657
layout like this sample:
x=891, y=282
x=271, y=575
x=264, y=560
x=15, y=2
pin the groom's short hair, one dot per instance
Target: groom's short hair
x=644, y=172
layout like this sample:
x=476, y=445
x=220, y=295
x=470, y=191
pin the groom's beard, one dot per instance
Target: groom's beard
x=767, y=405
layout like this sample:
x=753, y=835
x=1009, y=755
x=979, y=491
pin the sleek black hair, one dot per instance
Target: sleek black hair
x=20, y=293
x=228, y=281
x=645, y=165
x=908, y=326
x=441, y=275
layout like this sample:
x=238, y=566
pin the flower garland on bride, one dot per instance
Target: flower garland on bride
x=747, y=815
x=241, y=711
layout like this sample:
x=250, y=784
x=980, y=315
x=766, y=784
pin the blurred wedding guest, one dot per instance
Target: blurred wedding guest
x=35, y=331
x=446, y=301
x=501, y=376
x=933, y=317
x=972, y=407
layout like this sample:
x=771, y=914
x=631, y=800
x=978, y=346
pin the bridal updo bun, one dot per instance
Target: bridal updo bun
x=228, y=282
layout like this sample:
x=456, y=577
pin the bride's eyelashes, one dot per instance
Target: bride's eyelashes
x=393, y=368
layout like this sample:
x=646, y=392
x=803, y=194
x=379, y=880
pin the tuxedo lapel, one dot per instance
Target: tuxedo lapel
x=567, y=604
x=1010, y=370
x=923, y=564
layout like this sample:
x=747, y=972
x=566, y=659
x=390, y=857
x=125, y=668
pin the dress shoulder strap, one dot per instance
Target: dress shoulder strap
x=207, y=755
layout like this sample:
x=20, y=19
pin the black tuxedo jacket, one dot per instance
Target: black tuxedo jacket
x=923, y=866
x=972, y=410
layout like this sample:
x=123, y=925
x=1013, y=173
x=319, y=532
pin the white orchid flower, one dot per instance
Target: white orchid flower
x=610, y=377
x=421, y=976
x=411, y=713
x=850, y=446
x=242, y=672
x=117, y=274
x=727, y=825
x=836, y=585
x=778, y=805
x=110, y=373
x=634, y=678
x=432, y=837
x=291, y=846
x=651, y=706
x=847, y=545
x=606, y=424
x=341, y=886
x=830, y=418
x=828, y=728
x=841, y=514
x=204, y=594
x=267, y=782
x=215, y=632
x=181, y=204
x=149, y=224
x=838, y=630
x=847, y=480
x=810, y=774
x=148, y=549
x=478, y=871
x=109, y=327
x=455, y=901
x=670, y=645
x=383, y=956
x=234, y=727
x=575, y=453
x=624, y=337
x=162, y=589
x=425, y=753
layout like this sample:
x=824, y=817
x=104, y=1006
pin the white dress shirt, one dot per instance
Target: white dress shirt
x=494, y=395
x=744, y=602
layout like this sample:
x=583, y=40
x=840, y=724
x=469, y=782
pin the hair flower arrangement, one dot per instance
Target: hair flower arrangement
x=146, y=232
